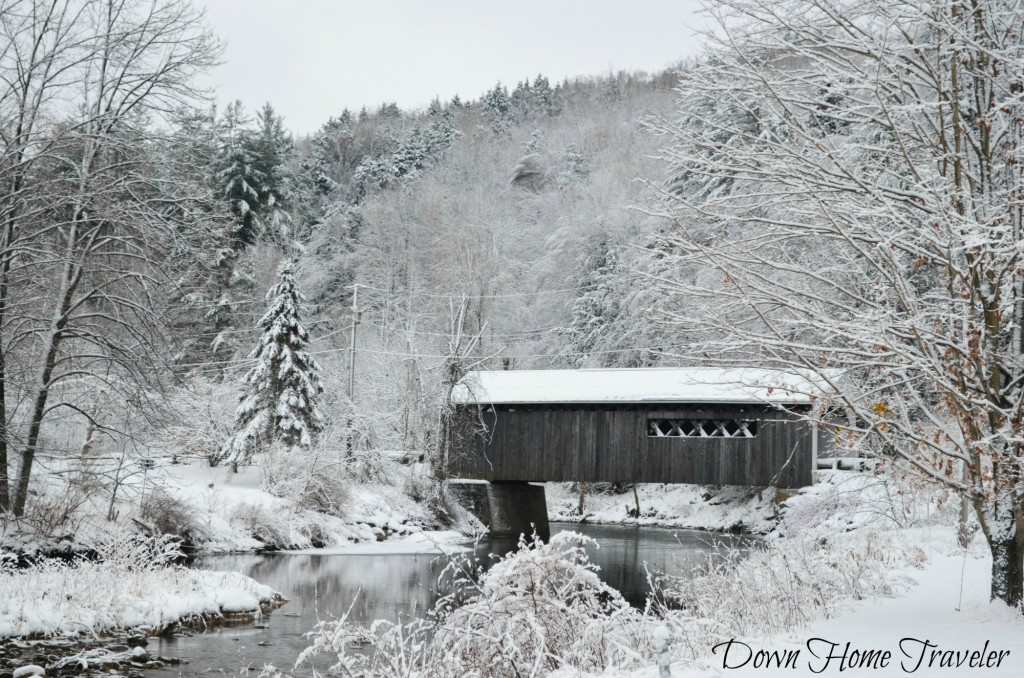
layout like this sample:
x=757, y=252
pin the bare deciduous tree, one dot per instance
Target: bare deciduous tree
x=87, y=217
x=848, y=190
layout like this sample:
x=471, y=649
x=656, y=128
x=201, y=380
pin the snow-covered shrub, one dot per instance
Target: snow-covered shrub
x=537, y=610
x=61, y=504
x=786, y=585
x=169, y=515
x=311, y=479
x=53, y=513
x=315, y=532
x=370, y=466
x=848, y=500
x=136, y=553
x=417, y=487
x=264, y=525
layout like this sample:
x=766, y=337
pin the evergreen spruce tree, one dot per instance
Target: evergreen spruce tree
x=594, y=311
x=238, y=179
x=498, y=106
x=441, y=134
x=270, y=147
x=544, y=96
x=212, y=279
x=522, y=98
x=279, y=404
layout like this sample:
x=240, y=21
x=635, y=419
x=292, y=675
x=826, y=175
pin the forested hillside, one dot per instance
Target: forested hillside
x=510, y=220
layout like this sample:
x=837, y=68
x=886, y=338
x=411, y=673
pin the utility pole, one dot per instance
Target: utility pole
x=352, y=364
x=352, y=343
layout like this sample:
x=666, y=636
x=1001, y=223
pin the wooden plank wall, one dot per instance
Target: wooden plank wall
x=610, y=444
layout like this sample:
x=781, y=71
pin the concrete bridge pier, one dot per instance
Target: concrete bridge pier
x=507, y=508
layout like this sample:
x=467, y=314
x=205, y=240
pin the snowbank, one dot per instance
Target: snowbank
x=681, y=506
x=230, y=512
x=838, y=501
x=57, y=599
x=946, y=605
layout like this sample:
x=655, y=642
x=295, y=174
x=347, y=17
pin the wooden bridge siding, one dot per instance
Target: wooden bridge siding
x=592, y=435
x=555, y=444
x=714, y=461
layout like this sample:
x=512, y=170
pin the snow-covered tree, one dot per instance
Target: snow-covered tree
x=88, y=216
x=270, y=146
x=238, y=179
x=594, y=310
x=498, y=106
x=279, y=405
x=544, y=96
x=869, y=222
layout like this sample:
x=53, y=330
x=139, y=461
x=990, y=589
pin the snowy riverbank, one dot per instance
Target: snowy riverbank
x=233, y=512
x=938, y=624
x=134, y=588
x=838, y=501
x=694, y=507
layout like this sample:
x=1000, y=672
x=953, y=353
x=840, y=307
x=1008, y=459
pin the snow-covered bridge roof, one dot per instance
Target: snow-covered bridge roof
x=636, y=386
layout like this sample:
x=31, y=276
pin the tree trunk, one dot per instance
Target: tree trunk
x=5, y=438
x=1002, y=521
x=1008, y=571
x=70, y=278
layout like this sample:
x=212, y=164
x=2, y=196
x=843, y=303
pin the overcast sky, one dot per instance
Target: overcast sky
x=313, y=58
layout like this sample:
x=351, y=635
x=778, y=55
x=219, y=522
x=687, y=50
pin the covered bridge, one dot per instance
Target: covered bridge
x=654, y=425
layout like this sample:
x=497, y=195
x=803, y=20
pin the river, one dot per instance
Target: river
x=395, y=587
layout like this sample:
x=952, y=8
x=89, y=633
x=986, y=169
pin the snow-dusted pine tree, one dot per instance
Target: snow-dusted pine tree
x=279, y=404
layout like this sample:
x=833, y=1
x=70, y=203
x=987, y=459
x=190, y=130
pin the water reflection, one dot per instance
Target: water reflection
x=392, y=587
x=397, y=588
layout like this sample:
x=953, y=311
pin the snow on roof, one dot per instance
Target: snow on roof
x=638, y=385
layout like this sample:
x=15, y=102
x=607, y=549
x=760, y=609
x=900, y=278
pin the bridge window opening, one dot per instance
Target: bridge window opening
x=701, y=428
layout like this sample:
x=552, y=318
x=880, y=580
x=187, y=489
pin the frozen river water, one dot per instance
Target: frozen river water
x=396, y=587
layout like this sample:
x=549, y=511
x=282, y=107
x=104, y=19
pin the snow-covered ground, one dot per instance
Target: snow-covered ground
x=839, y=500
x=681, y=506
x=926, y=605
x=90, y=598
x=944, y=611
x=233, y=512
x=879, y=547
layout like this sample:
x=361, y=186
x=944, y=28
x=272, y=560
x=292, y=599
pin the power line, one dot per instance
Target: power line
x=514, y=335
x=405, y=354
x=482, y=296
x=568, y=354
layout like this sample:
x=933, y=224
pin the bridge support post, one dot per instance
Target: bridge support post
x=507, y=508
